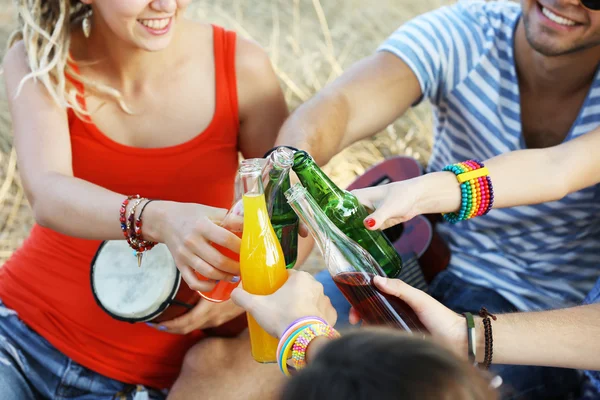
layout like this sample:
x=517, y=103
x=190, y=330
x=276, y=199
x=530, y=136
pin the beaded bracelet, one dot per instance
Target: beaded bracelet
x=300, y=322
x=477, y=192
x=306, y=336
x=489, y=339
x=309, y=333
x=283, y=354
x=132, y=229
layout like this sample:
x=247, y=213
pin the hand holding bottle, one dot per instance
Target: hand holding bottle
x=188, y=230
x=301, y=296
x=440, y=321
x=390, y=204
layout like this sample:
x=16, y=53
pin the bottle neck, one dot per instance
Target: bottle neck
x=313, y=178
x=340, y=253
x=317, y=223
x=275, y=177
x=250, y=179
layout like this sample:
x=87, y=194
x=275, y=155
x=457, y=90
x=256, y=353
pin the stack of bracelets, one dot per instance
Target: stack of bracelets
x=477, y=192
x=132, y=227
x=295, y=341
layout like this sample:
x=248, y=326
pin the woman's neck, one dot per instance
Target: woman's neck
x=124, y=66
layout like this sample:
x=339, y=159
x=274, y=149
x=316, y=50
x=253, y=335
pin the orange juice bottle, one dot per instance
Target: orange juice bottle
x=262, y=263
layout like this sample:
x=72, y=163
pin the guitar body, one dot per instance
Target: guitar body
x=423, y=251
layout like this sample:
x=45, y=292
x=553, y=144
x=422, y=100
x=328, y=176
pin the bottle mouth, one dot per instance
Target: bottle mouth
x=296, y=192
x=300, y=157
x=250, y=167
x=284, y=157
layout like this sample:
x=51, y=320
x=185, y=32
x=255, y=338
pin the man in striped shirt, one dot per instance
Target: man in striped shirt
x=500, y=76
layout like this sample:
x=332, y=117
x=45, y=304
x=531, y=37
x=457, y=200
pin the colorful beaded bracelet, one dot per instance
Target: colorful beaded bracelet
x=477, y=192
x=300, y=322
x=132, y=228
x=304, y=339
x=299, y=340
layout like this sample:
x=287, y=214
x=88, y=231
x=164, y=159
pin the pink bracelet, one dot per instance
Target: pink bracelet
x=295, y=325
x=305, y=337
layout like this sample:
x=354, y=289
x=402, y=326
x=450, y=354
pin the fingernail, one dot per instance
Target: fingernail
x=162, y=328
x=151, y=325
x=235, y=279
x=370, y=222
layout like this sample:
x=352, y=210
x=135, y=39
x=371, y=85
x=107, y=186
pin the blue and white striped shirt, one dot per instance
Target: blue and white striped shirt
x=537, y=257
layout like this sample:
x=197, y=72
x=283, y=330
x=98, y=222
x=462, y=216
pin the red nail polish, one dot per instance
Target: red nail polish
x=370, y=222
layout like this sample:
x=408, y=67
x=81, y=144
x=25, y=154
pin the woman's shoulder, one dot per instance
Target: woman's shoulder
x=14, y=63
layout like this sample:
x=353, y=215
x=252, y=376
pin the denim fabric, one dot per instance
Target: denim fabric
x=31, y=368
x=594, y=297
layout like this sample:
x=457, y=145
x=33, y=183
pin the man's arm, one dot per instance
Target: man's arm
x=368, y=97
x=566, y=338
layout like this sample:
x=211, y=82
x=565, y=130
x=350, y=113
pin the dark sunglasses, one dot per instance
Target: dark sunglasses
x=592, y=5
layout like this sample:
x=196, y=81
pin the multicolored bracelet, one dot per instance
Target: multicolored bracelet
x=298, y=343
x=304, y=339
x=477, y=192
x=300, y=322
x=132, y=228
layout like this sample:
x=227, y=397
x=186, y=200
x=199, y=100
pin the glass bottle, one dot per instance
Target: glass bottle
x=262, y=263
x=346, y=212
x=276, y=180
x=352, y=267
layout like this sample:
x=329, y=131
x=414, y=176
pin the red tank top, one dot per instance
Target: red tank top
x=47, y=280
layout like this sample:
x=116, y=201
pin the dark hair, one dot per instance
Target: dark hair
x=377, y=364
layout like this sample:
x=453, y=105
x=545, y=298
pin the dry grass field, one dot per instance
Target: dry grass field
x=310, y=43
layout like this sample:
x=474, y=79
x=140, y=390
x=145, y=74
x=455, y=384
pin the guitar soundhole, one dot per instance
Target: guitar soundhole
x=393, y=233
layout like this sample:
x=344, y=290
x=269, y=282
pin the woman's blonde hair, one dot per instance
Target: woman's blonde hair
x=45, y=29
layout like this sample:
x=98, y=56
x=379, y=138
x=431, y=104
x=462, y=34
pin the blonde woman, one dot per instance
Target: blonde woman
x=109, y=99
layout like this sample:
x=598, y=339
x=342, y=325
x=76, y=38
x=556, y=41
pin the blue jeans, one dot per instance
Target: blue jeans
x=519, y=382
x=31, y=368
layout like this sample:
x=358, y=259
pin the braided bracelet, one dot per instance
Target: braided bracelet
x=477, y=192
x=489, y=339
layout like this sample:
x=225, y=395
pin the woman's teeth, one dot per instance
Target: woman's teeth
x=156, y=24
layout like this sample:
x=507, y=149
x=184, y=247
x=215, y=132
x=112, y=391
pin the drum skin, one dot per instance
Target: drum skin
x=113, y=260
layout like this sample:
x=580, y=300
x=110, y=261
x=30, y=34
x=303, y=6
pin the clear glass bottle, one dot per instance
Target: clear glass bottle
x=352, y=267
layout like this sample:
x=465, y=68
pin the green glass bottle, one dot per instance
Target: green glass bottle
x=276, y=181
x=346, y=212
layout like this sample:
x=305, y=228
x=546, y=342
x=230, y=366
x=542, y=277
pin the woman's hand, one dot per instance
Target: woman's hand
x=204, y=315
x=441, y=322
x=393, y=203
x=301, y=296
x=189, y=230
